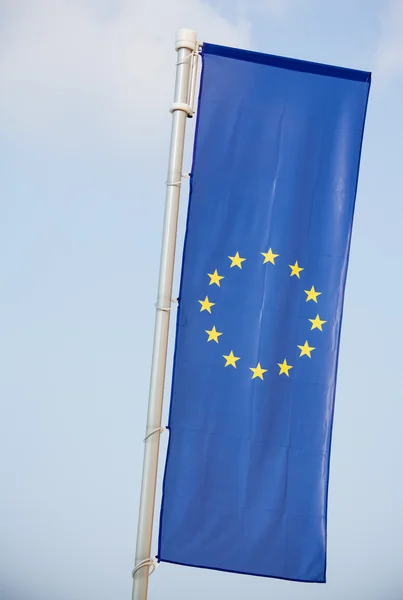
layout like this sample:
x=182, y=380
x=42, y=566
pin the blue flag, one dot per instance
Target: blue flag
x=273, y=188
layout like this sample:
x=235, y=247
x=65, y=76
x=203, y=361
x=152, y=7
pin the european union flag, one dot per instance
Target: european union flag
x=273, y=188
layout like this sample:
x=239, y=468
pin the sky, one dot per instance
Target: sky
x=85, y=88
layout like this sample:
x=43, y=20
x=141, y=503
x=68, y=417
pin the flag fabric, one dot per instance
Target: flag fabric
x=273, y=186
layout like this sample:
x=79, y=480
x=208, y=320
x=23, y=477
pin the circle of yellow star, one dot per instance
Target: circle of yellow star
x=317, y=323
x=231, y=359
x=206, y=305
x=236, y=260
x=306, y=350
x=258, y=371
x=213, y=334
x=312, y=294
x=284, y=368
x=269, y=256
x=295, y=270
x=215, y=278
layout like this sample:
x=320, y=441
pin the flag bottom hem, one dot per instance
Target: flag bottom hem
x=184, y=564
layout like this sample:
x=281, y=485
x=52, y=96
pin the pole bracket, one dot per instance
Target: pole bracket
x=181, y=106
x=148, y=562
x=158, y=430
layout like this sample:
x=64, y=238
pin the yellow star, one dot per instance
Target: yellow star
x=317, y=323
x=213, y=334
x=306, y=350
x=236, y=260
x=231, y=359
x=284, y=368
x=215, y=278
x=258, y=371
x=269, y=256
x=295, y=270
x=312, y=295
x=206, y=305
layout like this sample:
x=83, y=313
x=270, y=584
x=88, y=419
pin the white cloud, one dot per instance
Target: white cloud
x=105, y=67
x=389, y=58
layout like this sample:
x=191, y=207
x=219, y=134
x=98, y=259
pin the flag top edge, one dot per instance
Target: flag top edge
x=291, y=64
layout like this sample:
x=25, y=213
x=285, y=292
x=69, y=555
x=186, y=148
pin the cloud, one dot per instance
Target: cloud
x=101, y=68
x=389, y=56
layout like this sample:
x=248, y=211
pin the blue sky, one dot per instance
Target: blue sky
x=84, y=133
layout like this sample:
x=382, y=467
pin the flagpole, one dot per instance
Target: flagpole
x=185, y=46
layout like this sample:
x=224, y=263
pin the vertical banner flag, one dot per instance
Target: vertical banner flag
x=273, y=188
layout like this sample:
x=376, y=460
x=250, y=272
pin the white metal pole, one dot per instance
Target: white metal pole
x=185, y=46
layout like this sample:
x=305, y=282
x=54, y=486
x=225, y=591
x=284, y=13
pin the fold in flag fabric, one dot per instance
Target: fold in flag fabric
x=273, y=186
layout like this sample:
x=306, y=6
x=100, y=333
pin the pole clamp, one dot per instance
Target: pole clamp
x=181, y=106
x=158, y=430
x=148, y=562
x=178, y=183
x=190, y=45
x=167, y=308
